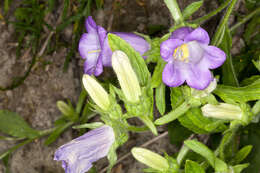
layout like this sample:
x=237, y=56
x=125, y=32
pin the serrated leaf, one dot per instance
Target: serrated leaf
x=193, y=167
x=137, y=61
x=242, y=154
x=160, y=98
x=13, y=124
x=191, y=8
x=239, y=94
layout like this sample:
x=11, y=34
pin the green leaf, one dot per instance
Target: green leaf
x=191, y=8
x=193, y=167
x=157, y=74
x=240, y=168
x=175, y=129
x=257, y=64
x=173, y=115
x=201, y=149
x=137, y=61
x=239, y=94
x=13, y=124
x=176, y=97
x=242, y=154
x=228, y=72
x=204, y=151
x=160, y=98
x=195, y=121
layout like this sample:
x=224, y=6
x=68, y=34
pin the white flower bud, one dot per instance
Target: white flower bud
x=96, y=92
x=150, y=159
x=222, y=111
x=126, y=76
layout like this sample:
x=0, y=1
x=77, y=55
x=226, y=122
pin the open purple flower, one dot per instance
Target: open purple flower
x=94, y=47
x=78, y=155
x=189, y=58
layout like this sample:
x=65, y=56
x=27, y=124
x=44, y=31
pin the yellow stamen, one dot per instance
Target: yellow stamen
x=182, y=53
x=94, y=51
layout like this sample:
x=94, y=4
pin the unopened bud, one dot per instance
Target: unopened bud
x=222, y=111
x=126, y=76
x=65, y=108
x=150, y=159
x=96, y=92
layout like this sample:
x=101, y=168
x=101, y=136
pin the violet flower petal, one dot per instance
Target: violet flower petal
x=167, y=48
x=214, y=57
x=181, y=33
x=199, y=35
x=197, y=76
x=172, y=76
x=90, y=25
x=78, y=155
x=137, y=42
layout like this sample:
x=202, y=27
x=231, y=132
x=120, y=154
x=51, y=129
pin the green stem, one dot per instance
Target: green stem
x=174, y=114
x=245, y=19
x=211, y=14
x=217, y=37
x=175, y=10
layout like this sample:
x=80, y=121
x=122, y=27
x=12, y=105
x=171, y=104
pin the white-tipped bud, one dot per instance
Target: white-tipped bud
x=96, y=92
x=203, y=93
x=222, y=111
x=150, y=159
x=126, y=76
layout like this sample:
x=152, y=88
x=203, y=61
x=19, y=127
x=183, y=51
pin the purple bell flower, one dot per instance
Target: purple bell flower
x=78, y=155
x=189, y=58
x=94, y=47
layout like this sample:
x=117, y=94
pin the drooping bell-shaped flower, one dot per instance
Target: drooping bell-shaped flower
x=222, y=111
x=189, y=58
x=150, y=159
x=78, y=155
x=94, y=47
x=96, y=92
x=126, y=76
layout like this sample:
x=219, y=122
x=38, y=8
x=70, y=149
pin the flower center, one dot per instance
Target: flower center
x=181, y=53
x=94, y=51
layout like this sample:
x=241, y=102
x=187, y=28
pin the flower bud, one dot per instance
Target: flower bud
x=126, y=76
x=150, y=159
x=96, y=92
x=222, y=111
x=65, y=108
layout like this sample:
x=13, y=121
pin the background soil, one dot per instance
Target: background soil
x=35, y=100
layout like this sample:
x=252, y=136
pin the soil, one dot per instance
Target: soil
x=35, y=100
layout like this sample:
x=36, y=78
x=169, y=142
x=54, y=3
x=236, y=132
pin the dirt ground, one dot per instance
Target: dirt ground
x=35, y=100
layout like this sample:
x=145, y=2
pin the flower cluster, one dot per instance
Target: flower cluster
x=94, y=47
